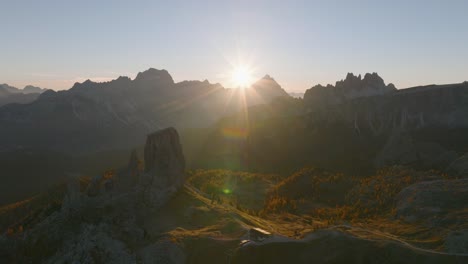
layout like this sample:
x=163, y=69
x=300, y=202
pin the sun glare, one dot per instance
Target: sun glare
x=241, y=77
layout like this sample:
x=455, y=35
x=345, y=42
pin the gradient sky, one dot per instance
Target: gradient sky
x=300, y=43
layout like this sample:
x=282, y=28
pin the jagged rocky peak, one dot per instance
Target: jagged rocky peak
x=268, y=77
x=84, y=85
x=350, y=88
x=122, y=79
x=268, y=84
x=370, y=81
x=351, y=82
x=154, y=75
x=164, y=158
x=266, y=80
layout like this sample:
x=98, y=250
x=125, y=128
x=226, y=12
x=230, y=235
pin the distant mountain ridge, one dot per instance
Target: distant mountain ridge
x=356, y=126
x=28, y=89
x=111, y=115
x=10, y=94
x=351, y=87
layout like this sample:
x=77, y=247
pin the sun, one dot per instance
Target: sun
x=241, y=77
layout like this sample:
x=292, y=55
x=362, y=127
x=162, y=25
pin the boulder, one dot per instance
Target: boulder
x=435, y=203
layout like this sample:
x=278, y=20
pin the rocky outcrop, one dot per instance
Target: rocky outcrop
x=441, y=202
x=163, y=156
x=82, y=231
x=164, y=166
x=164, y=175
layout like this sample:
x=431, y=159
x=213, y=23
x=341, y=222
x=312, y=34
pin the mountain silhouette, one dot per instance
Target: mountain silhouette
x=10, y=94
x=116, y=114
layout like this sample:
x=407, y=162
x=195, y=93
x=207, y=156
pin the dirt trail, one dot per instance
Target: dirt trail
x=286, y=230
x=245, y=218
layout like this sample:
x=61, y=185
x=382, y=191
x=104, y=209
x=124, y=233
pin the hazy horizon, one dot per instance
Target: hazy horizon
x=54, y=44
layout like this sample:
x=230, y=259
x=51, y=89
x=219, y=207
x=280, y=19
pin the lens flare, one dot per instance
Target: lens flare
x=242, y=77
x=234, y=133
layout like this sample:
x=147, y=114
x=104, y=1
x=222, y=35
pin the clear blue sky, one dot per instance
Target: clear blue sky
x=300, y=43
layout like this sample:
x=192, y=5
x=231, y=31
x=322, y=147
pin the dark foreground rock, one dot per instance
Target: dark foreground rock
x=101, y=222
x=328, y=246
